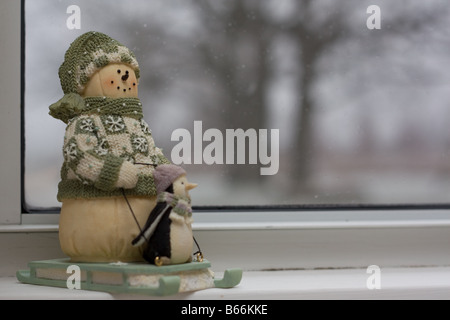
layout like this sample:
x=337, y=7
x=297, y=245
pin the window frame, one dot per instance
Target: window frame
x=376, y=234
x=11, y=89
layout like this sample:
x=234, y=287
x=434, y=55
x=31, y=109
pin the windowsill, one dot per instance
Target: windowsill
x=284, y=255
x=396, y=283
x=267, y=240
x=277, y=220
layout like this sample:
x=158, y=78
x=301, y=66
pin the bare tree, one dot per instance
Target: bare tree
x=317, y=37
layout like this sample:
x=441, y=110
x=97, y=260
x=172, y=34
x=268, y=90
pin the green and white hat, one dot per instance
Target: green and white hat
x=89, y=53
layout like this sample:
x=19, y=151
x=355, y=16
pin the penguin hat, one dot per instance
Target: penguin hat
x=168, y=232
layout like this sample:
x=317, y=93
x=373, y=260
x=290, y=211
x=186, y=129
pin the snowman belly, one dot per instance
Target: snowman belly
x=101, y=230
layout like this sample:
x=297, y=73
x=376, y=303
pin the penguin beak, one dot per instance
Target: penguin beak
x=190, y=186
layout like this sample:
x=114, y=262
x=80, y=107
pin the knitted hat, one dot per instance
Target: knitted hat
x=165, y=175
x=89, y=53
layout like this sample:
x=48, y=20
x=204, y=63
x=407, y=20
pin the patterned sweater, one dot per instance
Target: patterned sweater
x=108, y=146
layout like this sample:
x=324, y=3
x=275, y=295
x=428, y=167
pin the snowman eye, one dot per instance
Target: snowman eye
x=118, y=71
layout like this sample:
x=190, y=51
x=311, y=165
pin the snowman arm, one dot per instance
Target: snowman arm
x=151, y=224
x=116, y=173
x=90, y=159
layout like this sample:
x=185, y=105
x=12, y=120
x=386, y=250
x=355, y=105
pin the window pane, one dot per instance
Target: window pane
x=284, y=102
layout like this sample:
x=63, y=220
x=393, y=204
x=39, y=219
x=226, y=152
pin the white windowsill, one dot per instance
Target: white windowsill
x=266, y=240
x=276, y=220
x=396, y=283
x=284, y=255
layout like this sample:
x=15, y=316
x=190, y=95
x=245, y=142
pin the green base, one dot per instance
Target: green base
x=121, y=277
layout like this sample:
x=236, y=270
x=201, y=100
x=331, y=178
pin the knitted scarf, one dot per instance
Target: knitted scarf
x=129, y=107
x=180, y=205
x=72, y=105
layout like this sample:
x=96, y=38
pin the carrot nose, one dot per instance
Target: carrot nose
x=190, y=186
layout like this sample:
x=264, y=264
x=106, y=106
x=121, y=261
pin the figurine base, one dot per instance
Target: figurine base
x=141, y=278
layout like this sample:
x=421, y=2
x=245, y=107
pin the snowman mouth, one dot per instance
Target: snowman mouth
x=124, y=90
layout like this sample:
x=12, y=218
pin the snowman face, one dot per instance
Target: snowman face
x=116, y=80
x=181, y=186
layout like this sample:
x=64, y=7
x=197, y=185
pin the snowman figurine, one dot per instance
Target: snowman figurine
x=109, y=153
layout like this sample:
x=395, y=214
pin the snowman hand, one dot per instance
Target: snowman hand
x=128, y=176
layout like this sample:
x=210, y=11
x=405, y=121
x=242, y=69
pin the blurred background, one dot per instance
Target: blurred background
x=363, y=115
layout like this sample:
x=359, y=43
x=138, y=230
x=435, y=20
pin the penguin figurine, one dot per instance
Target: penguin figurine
x=168, y=231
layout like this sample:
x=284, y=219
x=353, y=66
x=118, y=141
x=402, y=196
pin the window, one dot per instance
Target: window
x=273, y=103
